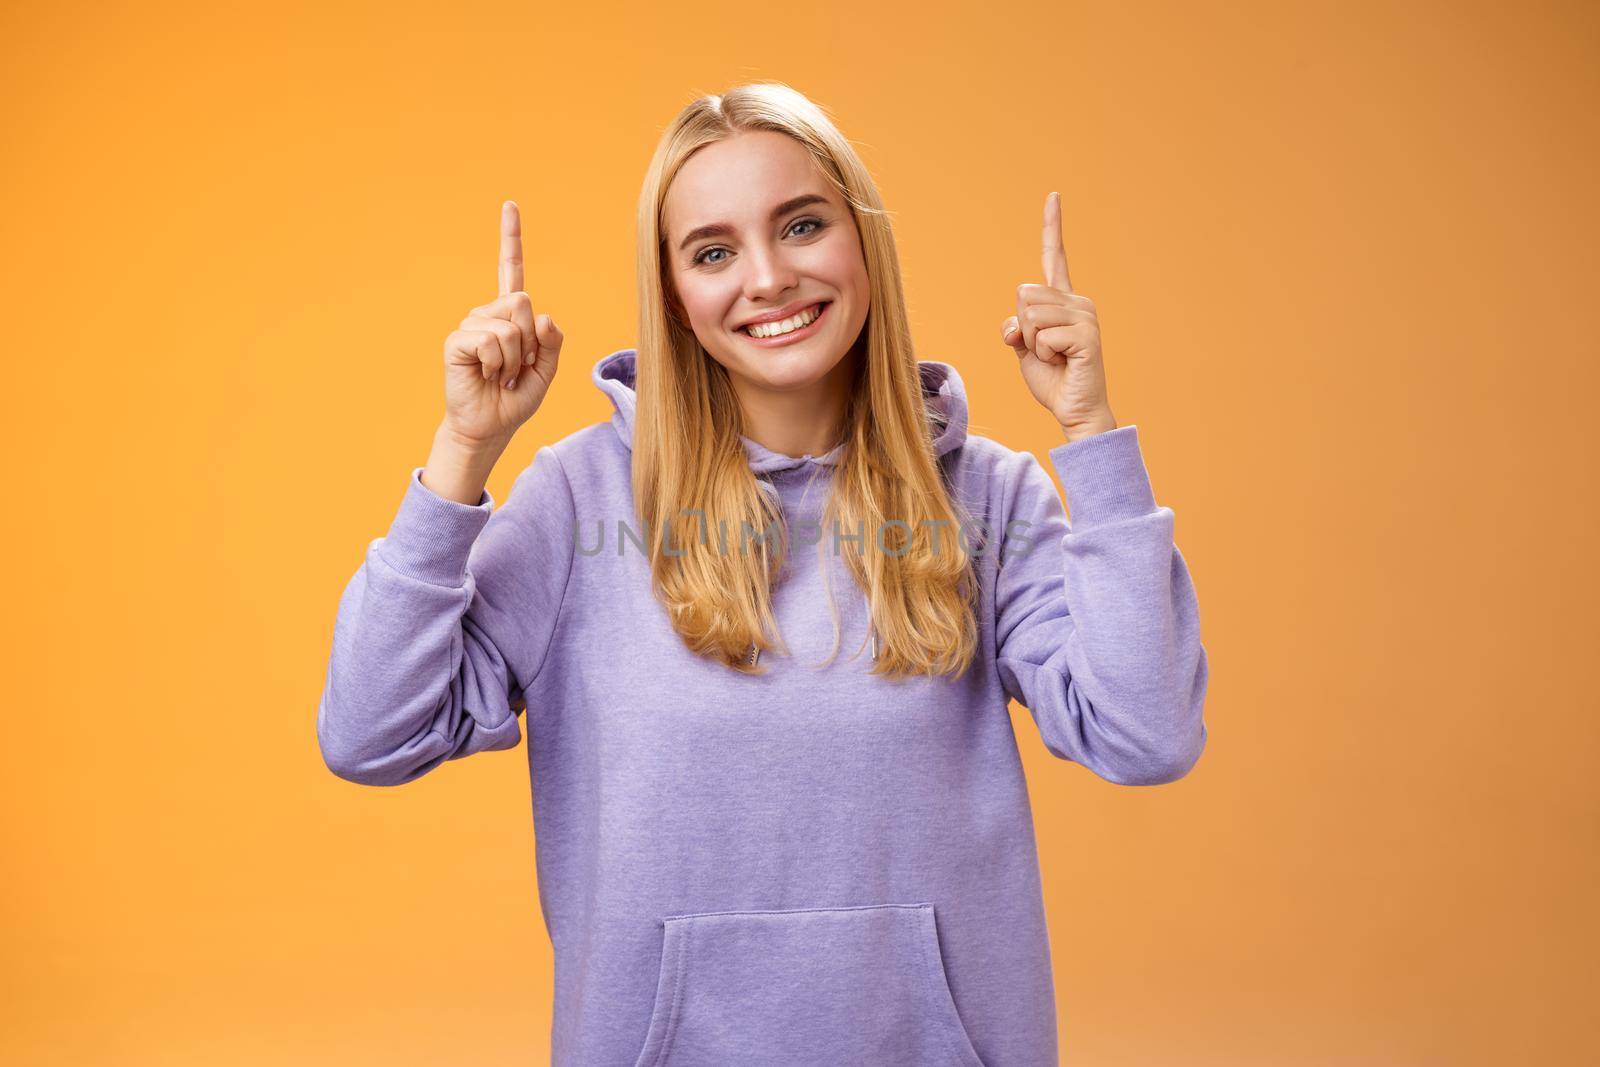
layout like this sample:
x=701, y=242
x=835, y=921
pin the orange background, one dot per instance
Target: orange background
x=1338, y=254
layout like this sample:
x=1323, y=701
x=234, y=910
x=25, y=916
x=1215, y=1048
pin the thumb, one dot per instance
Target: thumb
x=1012, y=335
x=549, y=335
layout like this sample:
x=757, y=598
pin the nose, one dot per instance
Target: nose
x=768, y=275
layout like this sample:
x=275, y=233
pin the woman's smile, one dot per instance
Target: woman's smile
x=819, y=311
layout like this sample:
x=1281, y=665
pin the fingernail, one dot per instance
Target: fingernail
x=512, y=384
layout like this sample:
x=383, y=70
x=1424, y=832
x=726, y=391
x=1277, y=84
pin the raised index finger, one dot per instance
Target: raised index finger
x=1055, y=250
x=510, y=248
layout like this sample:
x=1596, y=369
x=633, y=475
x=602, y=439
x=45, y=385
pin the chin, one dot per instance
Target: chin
x=787, y=369
x=783, y=367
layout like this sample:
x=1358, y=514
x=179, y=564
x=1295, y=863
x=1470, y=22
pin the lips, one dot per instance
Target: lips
x=819, y=305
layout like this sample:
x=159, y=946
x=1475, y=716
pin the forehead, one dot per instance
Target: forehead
x=738, y=180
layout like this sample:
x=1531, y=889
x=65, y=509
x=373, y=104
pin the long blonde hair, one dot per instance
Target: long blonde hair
x=687, y=452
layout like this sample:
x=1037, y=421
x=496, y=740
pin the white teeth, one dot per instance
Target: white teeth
x=773, y=329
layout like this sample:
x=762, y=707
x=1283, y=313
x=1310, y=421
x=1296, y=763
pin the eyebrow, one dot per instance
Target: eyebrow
x=718, y=229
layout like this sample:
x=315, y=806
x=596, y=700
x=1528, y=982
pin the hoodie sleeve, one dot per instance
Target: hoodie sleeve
x=443, y=626
x=1097, y=625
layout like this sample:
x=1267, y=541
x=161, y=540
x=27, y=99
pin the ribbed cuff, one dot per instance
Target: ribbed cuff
x=431, y=537
x=1104, y=476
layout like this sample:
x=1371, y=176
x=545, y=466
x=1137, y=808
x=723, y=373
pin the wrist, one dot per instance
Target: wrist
x=1078, y=429
x=468, y=452
x=458, y=468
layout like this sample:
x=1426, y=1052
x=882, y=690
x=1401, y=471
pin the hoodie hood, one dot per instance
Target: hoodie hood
x=942, y=392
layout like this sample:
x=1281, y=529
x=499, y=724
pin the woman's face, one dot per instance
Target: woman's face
x=768, y=253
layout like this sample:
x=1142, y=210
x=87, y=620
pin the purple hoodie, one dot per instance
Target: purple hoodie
x=814, y=866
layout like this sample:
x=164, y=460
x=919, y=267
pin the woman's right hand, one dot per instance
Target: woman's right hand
x=500, y=363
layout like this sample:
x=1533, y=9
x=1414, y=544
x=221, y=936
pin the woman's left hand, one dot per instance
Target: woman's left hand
x=1058, y=345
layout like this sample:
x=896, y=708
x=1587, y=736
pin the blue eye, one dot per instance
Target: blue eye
x=701, y=260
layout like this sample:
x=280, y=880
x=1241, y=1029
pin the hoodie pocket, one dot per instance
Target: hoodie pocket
x=851, y=985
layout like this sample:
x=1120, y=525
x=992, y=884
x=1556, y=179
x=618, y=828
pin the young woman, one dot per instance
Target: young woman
x=752, y=848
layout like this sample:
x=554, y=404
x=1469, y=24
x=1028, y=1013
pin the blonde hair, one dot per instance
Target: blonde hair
x=687, y=452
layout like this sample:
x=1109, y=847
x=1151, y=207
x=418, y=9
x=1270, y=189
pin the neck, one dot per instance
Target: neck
x=798, y=422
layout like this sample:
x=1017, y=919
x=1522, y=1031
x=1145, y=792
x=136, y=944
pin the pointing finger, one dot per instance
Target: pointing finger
x=1055, y=251
x=510, y=248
